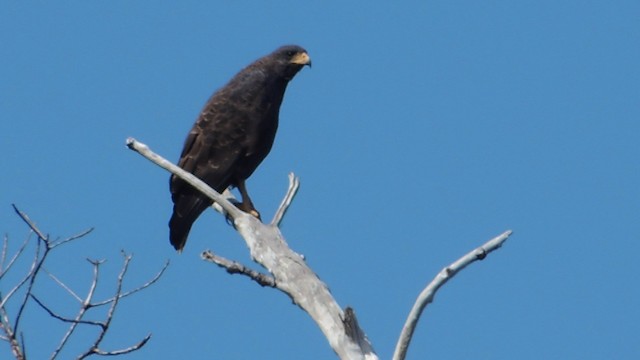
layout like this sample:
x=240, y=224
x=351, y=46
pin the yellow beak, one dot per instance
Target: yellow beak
x=301, y=58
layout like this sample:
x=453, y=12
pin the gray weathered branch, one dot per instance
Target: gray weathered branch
x=426, y=296
x=144, y=150
x=292, y=276
x=294, y=185
x=234, y=267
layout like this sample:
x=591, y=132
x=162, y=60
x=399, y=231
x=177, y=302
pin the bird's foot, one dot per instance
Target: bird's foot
x=251, y=211
x=248, y=208
x=255, y=214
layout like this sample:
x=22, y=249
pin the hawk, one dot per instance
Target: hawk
x=232, y=135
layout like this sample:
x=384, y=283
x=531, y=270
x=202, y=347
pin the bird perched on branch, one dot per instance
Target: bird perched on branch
x=232, y=135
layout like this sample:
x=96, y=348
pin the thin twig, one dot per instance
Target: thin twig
x=85, y=305
x=24, y=346
x=133, y=291
x=17, y=350
x=122, y=351
x=234, y=267
x=63, y=285
x=294, y=185
x=95, y=347
x=4, y=270
x=62, y=318
x=35, y=267
x=4, y=300
x=427, y=295
x=5, y=246
x=94, y=283
x=30, y=223
x=71, y=238
x=15, y=288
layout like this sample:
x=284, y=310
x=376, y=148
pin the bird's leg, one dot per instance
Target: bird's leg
x=246, y=205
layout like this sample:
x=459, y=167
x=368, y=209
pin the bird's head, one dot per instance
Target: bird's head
x=291, y=59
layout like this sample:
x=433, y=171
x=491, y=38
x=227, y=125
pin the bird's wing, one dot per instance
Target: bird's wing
x=211, y=152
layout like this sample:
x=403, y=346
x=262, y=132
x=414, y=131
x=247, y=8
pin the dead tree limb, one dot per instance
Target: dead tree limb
x=292, y=275
x=294, y=185
x=11, y=328
x=234, y=267
x=427, y=295
x=289, y=272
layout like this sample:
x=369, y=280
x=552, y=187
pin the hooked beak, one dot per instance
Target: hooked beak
x=301, y=58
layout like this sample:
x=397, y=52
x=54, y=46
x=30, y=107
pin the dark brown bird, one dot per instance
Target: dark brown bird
x=232, y=135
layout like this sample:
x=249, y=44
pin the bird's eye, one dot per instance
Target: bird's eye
x=291, y=53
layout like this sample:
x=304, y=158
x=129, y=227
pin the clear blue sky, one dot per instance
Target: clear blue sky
x=422, y=130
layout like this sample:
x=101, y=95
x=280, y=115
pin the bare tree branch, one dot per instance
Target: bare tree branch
x=43, y=246
x=292, y=275
x=144, y=150
x=64, y=319
x=12, y=329
x=234, y=267
x=139, y=288
x=5, y=299
x=71, y=238
x=5, y=251
x=95, y=348
x=427, y=295
x=85, y=305
x=4, y=270
x=64, y=286
x=10, y=335
x=294, y=185
x=122, y=351
x=36, y=265
x=30, y=223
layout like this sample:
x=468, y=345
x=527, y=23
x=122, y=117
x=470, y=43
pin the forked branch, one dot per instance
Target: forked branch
x=42, y=249
x=288, y=269
x=291, y=275
x=427, y=295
